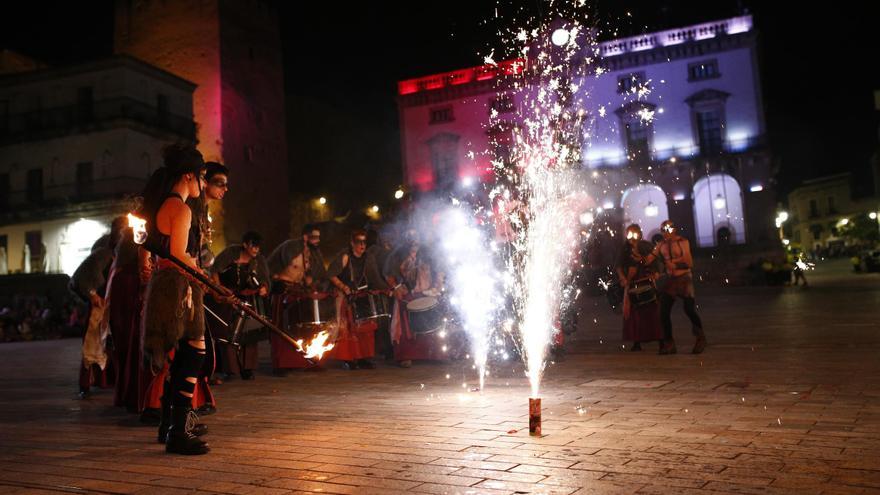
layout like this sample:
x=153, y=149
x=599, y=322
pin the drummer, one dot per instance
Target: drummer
x=356, y=340
x=413, y=275
x=288, y=265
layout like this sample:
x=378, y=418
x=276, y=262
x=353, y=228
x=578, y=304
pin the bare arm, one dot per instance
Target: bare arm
x=181, y=220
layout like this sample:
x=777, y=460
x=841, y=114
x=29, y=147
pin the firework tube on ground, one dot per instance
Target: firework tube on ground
x=535, y=416
x=140, y=234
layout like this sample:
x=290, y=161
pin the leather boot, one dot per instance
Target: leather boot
x=180, y=439
x=700, y=344
x=193, y=426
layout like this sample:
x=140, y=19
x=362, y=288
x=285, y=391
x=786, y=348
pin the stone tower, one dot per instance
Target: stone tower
x=231, y=49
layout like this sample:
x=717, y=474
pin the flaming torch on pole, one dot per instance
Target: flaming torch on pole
x=314, y=349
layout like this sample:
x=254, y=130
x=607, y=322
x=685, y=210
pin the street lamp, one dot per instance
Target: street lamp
x=398, y=194
x=322, y=200
x=872, y=215
x=375, y=209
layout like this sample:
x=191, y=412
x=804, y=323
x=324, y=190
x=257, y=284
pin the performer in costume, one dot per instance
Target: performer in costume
x=355, y=344
x=412, y=274
x=288, y=266
x=173, y=317
x=242, y=269
x=641, y=310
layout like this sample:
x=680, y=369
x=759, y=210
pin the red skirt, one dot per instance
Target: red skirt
x=643, y=324
x=153, y=394
x=356, y=340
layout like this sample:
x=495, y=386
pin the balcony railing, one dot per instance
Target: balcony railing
x=71, y=119
x=684, y=152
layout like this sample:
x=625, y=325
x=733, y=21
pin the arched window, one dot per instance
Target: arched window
x=645, y=205
x=718, y=204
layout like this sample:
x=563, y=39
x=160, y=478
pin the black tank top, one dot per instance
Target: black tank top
x=164, y=240
x=354, y=274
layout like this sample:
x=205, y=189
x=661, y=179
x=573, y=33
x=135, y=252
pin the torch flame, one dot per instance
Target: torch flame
x=139, y=228
x=317, y=346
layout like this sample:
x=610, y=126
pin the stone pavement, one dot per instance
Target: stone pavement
x=785, y=400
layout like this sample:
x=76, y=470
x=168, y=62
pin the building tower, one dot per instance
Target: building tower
x=231, y=49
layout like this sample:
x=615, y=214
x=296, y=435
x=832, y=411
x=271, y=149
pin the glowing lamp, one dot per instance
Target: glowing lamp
x=678, y=197
x=375, y=209
x=719, y=202
x=786, y=242
x=398, y=194
x=467, y=181
x=872, y=215
x=608, y=205
x=783, y=216
x=756, y=188
x=559, y=37
x=843, y=221
x=651, y=210
x=322, y=200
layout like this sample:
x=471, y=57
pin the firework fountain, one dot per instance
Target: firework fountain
x=539, y=170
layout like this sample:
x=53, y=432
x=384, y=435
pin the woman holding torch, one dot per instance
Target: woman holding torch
x=173, y=317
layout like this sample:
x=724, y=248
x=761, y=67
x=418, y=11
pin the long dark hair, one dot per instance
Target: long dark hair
x=180, y=159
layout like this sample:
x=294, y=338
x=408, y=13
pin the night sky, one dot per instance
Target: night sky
x=343, y=61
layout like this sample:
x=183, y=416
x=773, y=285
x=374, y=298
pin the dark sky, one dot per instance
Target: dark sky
x=343, y=60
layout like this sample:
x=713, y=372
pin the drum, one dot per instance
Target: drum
x=425, y=315
x=642, y=292
x=313, y=308
x=368, y=306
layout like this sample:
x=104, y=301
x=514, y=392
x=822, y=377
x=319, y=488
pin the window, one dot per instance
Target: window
x=831, y=209
x=4, y=116
x=814, y=209
x=709, y=131
x=441, y=115
x=708, y=119
x=162, y=108
x=34, y=115
x=707, y=69
x=637, y=134
x=444, y=160
x=85, y=104
x=5, y=189
x=84, y=179
x=637, y=129
x=34, y=241
x=631, y=83
x=502, y=104
x=35, y=185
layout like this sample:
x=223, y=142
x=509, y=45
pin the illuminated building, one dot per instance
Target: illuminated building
x=702, y=160
x=74, y=142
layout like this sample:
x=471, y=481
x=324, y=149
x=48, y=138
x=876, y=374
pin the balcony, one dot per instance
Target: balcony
x=75, y=119
x=730, y=146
